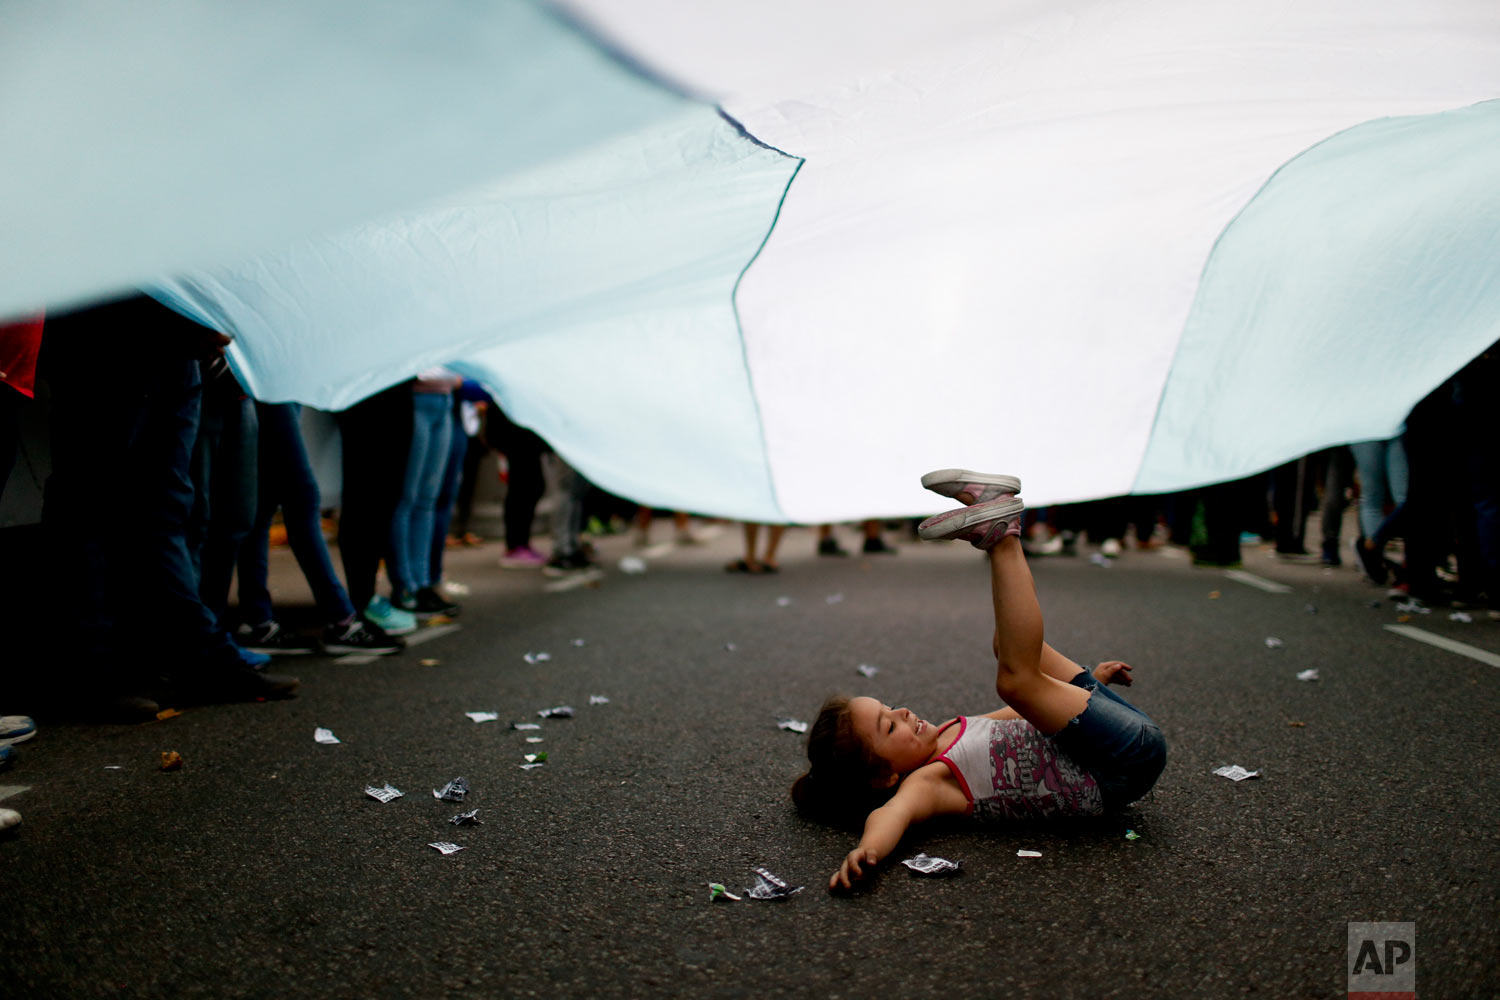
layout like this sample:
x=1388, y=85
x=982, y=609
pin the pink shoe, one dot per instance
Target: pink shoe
x=524, y=557
x=971, y=487
x=981, y=525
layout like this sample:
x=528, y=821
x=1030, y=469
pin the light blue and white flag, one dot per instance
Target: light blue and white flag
x=774, y=260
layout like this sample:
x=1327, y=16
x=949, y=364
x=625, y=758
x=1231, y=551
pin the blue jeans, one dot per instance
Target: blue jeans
x=411, y=528
x=1115, y=742
x=287, y=481
x=224, y=490
x=1382, y=480
x=442, y=514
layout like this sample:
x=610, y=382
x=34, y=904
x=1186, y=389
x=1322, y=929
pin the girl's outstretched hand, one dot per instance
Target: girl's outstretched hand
x=856, y=864
x=1113, y=672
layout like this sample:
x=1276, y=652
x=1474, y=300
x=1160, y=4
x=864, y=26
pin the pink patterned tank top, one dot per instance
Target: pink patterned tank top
x=1010, y=771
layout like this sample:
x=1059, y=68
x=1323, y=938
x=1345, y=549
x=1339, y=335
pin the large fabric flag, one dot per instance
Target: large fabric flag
x=774, y=260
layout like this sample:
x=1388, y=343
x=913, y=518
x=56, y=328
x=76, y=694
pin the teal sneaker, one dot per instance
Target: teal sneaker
x=390, y=619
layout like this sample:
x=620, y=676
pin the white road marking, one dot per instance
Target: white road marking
x=1451, y=645
x=422, y=635
x=6, y=791
x=418, y=637
x=573, y=581
x=1258, y=582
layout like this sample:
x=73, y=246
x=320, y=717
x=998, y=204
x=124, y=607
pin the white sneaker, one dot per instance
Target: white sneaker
x=9, y=818
x=1050, y=547
x=979, y=487
x=983, y=525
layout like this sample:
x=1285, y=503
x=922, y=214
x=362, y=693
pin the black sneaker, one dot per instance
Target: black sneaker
x=831, y=547
x=563, y=565
x=877, y=546
x=360, y=636
x=428, y=603
x=270, y=639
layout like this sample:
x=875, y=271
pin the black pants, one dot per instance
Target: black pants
x=463, y=510
x=376, y=436
x=1295, y=494
x=523, y=452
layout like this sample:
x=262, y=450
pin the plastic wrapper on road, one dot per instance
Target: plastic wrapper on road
x=926, y=864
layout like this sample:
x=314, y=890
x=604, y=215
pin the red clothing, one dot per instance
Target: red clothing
x=19, y=345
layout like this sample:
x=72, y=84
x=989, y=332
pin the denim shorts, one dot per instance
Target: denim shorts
x=1115, y=742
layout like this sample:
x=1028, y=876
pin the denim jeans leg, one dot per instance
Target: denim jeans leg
x=1370, y=458
x=253, y=569
x=442, y=513
x=288, y=482
x=166, y=591
x=436, y=411
x=302, y=513
x=402, y=581
x=1116, y=742
x=1397, y=475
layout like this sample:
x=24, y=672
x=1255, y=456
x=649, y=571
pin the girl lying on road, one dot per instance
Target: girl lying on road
x=1065, y=746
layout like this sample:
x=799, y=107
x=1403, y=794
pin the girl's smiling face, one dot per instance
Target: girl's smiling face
x=893, y=735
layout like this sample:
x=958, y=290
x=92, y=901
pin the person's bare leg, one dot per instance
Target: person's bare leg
x=752, y=533
x=1046, y=701
x=773, y=542
x=1053, y=663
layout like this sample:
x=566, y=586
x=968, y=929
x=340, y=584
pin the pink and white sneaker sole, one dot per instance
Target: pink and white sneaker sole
x=981, y=525
x=981, y=487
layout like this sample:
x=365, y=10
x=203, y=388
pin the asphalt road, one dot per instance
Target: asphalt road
x=261, y=869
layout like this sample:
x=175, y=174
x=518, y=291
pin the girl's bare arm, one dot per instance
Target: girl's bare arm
x=928, y=792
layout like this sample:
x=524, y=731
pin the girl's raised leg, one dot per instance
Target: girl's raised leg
x=1044, y=700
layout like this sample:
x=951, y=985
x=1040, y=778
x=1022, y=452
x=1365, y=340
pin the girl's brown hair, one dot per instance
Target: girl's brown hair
x=843, y=781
